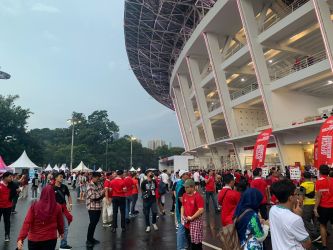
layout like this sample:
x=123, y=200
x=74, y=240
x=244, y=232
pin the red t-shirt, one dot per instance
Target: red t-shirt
x=129, y=185
x=261, y=185
x=325, y=186
x=118, y=187
x=191, y=204
x=107, y=184
x=5, y=201
x=210, y=185
x=229, y=204
x=135, y=187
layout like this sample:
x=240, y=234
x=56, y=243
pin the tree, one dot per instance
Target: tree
x=13, y=136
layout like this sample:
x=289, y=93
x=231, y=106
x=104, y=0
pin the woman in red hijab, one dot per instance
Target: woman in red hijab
x=43, y=220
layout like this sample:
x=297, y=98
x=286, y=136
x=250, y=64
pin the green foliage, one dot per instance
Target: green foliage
x=93, y=138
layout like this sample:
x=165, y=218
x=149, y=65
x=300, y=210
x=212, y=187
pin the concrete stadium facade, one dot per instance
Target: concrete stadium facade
x=249, y=65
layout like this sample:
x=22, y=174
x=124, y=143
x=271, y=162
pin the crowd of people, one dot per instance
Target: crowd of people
x=293, y=214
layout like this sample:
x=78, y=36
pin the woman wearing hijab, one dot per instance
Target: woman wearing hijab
x=252, y=231
x=43, y=220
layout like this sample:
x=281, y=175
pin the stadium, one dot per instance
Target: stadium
x=233, y=68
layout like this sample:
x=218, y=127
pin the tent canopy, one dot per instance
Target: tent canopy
x=56, y=168
x=63, y=167
x=48, y=168
x=23, y=163
x=132, y=169
x=3, y=167
x=81, y=167
x=99, y=170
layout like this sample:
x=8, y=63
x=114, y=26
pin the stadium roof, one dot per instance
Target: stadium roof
x=155, y=33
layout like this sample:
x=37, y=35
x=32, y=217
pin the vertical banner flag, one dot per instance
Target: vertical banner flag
x=315, y=153
x=259, y=152
x=325, y=141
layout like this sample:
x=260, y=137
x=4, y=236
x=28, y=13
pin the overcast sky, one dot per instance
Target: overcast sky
x=69, y=55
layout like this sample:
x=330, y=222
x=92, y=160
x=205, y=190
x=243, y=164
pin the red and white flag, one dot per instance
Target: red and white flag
x=259, y=152
x=325, y=141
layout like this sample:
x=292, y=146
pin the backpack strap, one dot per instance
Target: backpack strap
x=224, y=195
x=237, y=219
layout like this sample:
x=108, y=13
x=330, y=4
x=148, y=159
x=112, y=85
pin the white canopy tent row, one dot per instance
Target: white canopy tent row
x=48, y=168
x=23, y=163
x=82, y=168
x=63, y=167
x=56, y=168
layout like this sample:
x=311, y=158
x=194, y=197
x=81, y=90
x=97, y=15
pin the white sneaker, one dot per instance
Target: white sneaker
x=147, y=229
x=155, y=227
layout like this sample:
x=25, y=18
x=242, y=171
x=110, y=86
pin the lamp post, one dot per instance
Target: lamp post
x=131, y=159
x=4, y=75
x=73, y=122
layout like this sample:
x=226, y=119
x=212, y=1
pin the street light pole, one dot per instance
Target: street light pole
x=106, y=155
x=72, y=147
x=72, y=121
x=131, y=159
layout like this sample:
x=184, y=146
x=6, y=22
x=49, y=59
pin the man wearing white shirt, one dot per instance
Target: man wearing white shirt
x=196, y=177
x=286, y=224
x=165, y=178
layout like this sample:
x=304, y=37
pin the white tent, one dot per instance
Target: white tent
x=23, y=163
x=63, y=167
x=81, y=167
x=99, y=170
x=56, y=168
x=48, y=168
x=132, y=169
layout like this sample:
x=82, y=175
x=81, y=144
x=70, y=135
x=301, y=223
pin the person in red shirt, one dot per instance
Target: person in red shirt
x=191, y=213
x=5, y=202
x=135, y=193
x=228, y=200
x=259, y=183
x=43, y=220
x=211, y=190
x=118, y=200
x=107, y=218
x=324, y=201
x=129, y=189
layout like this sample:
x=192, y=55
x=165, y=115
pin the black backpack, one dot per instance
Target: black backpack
x=162, y=188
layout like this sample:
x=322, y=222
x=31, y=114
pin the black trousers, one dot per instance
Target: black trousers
x=173, y=203
x=119, y=203
x=6, y=212
x=15, y=198
x=94, y=216
x=42, y=245
x=147, y=206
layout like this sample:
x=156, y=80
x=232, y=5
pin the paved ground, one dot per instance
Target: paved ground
x=134, y=238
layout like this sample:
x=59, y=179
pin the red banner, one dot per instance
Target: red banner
x=325, y=141
x=259, y=152
x=315, y=153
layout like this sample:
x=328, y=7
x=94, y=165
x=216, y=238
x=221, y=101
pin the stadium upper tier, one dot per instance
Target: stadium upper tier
x=155, y=33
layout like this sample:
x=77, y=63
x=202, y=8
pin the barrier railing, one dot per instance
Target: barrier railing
x=233, y=50
x=301, y=64
x=244, y=91
x=277, y=17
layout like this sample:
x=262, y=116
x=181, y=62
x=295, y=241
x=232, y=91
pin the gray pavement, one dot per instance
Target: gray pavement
x=134, y=238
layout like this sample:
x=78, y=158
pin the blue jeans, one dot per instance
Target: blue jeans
x=213, y=196
x=128, y=206
x=181, y=237
x=64, y=241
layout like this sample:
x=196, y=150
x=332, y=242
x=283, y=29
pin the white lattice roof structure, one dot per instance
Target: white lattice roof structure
x=155, y=33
